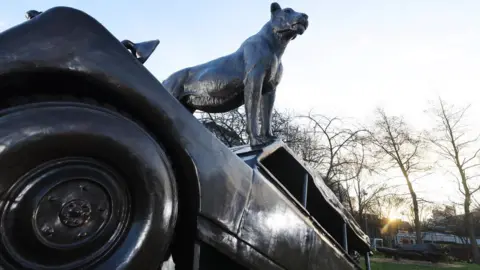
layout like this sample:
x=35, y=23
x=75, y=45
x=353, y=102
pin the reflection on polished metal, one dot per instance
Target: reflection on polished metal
x=143, y=50
x=123, y=175
x=248, y=76
x=305, y=190
x=32, y=14
x=267, y=207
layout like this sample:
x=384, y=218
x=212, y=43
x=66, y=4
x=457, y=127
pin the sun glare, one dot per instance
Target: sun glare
x=395, y=216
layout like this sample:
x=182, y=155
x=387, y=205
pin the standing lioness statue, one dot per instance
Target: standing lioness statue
x=248, y=76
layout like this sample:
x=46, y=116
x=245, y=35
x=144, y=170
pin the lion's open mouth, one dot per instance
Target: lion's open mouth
x=300, y=27
x=296, y=28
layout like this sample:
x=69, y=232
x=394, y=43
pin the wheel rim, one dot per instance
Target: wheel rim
x=64, y=214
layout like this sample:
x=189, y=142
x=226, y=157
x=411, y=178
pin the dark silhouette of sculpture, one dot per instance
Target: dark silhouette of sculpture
x=248, y=76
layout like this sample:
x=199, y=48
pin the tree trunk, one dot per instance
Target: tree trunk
x=470, y=230
x=418, y=229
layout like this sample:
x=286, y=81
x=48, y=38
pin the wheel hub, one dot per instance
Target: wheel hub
x=72, y=208
x=75, y=213
x=81, y=206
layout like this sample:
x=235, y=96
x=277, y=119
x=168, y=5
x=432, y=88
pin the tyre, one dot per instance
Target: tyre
x=82, y=187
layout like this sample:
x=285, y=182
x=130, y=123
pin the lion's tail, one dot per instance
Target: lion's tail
x=175, y=83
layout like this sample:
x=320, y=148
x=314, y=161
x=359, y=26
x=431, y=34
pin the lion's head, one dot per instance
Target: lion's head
x=287, y=22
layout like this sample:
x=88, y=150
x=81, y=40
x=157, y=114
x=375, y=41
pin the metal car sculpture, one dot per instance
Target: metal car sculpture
x=102, y=168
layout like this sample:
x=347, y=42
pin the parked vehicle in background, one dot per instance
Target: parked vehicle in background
x=425, y=252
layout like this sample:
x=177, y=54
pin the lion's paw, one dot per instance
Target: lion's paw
x=271, y=137
x=262, y=140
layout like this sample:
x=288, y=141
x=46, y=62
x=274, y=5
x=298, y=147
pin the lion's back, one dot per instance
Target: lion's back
x=216, y=75
x=226, y=65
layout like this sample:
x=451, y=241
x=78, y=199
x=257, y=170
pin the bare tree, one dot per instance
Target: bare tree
x=366, y=192
x=227, y=127
x=398, y=146
x=424, y=210
x=459, y=150
x=389, y=204
x=385, y=206
x=334, y=148
x=230, y=128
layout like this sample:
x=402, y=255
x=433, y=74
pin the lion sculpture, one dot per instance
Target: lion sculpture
x=248, y=76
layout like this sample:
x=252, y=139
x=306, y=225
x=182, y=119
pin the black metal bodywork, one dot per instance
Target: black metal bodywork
x=242, y=209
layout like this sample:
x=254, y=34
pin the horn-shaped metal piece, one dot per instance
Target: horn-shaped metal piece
x=142, y=50
x=32, y=14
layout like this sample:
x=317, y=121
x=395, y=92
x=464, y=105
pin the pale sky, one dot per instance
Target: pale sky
x=355, y=55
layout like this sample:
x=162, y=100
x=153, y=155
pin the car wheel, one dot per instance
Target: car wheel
x=82, y=187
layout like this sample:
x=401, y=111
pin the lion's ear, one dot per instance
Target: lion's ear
x=274, y=7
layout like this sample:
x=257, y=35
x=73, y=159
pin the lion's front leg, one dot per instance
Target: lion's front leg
x=252, y=92
x=268, y=99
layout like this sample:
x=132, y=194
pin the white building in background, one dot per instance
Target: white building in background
x=404, y=237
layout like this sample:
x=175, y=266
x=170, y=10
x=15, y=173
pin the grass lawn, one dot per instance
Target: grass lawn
x=411, y=265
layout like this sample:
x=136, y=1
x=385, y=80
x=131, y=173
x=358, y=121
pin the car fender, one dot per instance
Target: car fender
x=64, y=51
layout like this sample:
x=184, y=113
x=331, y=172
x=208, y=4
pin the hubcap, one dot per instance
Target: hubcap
x=71, y=203
x=75, y=212
x=66, y=213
